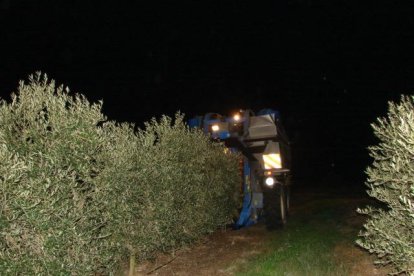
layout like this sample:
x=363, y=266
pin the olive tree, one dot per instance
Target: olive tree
x=388, y=232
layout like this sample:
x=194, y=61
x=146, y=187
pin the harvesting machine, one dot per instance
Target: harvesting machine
x=264, y=145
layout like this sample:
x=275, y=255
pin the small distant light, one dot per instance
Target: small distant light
x=215, y=128
x=268, y=173
x=236, y=117
x=270, y=181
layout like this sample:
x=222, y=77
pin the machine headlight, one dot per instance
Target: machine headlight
x=215, y=128
x=236, y=117
x=270, y=181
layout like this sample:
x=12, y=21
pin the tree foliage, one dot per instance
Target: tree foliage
x=79, y=194
x=389, y=231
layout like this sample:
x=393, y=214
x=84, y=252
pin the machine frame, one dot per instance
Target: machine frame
x=265, y=147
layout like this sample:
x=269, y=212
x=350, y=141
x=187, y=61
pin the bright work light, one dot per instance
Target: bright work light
x=270, y=181
x=236, y=117
x=215, y=128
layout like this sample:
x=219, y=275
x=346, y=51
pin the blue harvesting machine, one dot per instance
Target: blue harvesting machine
x=264, y=145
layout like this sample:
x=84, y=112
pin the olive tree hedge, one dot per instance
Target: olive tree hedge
x=388, y=232
x=80, y=194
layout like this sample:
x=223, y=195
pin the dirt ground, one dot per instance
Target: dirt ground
x=218, y=254
x=359, y=262
x=354, y=257
x=224, y=251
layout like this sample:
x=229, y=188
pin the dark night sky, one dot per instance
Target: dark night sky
x=329, y=66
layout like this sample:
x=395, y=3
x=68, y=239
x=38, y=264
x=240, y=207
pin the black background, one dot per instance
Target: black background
x=329, y=66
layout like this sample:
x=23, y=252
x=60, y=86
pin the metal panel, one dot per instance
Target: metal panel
x=256, y=144
x=262, y=127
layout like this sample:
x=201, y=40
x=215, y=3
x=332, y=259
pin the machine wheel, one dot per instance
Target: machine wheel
x=274, y=201
x=283, y=204
x=287, y=195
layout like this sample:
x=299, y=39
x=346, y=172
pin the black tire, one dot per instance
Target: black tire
x=287, y=194
x=283, y=204
x=274, y=206
x=287, y=186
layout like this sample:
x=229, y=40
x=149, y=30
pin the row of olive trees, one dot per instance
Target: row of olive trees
x=389, y=231
x=79, y=194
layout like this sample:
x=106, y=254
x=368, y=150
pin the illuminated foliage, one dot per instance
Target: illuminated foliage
x=389, y=230
x=80, y=194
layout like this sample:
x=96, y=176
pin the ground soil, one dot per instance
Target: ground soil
x=218, y=254
x=352, y=256
x=223, y=252
x=358, y=261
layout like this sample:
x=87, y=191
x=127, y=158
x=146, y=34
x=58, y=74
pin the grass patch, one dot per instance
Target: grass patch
x=306, y=245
